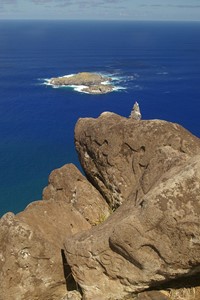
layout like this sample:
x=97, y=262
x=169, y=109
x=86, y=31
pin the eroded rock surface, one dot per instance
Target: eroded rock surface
x=152, y=295
x=31, y=263
x=151, y=169
x=68, y=184
x=125, y=158
x=149, y=174
x=147, y=241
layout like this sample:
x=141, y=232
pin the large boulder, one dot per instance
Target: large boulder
x=69, y=185
x=146, y=242
x=125, y=158
x=32, y=262
x=150, y=172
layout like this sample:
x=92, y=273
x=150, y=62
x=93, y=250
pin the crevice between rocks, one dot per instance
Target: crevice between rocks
x=71, y=284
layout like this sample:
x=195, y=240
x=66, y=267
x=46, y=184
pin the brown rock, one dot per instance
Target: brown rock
x=83, y=78
x=143, y=243
x=72, y=295
x=152, y=295
x=94, y=83
x=185, y=293
x=31, y=242
x=125, y=158
x=68, y=184
x=31, y=264
x=98, y=89
x=152, y=168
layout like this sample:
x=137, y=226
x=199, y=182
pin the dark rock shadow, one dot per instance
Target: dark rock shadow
x=71, y=284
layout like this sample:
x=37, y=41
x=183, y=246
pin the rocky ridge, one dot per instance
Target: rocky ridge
x=132, y=224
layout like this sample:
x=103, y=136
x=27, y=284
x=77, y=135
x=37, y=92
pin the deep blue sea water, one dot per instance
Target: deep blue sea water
x=158, y=64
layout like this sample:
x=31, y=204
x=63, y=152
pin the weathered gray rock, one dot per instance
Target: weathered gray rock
x=68, y=184
x=125, y=158
x=147, y=241
x=31, y=264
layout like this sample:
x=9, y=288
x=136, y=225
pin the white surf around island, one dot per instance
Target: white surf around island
x=114, y=81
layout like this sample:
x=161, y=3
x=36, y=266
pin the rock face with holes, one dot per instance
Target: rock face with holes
x=151, y=169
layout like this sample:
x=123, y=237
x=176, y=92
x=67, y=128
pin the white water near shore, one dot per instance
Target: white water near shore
x=114, y=81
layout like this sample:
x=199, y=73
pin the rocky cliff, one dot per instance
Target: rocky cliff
x=132, y=224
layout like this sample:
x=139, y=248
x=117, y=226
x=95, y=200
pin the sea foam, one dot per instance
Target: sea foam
x=114, y=81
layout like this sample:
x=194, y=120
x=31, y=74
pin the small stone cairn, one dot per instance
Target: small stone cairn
x=135, y=113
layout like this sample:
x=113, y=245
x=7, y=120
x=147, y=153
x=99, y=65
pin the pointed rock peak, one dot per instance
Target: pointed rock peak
x=135, y=113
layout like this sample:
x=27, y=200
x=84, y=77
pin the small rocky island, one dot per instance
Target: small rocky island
x=92, y=83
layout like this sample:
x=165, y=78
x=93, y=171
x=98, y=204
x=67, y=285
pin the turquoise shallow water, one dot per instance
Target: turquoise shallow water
x=158, y=64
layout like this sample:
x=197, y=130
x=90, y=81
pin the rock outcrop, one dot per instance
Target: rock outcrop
x=94, y=83
x=69, y=185
x=151, y=169
x=83, y=78
x=98, y=89
x=125, y=158
x=31, y=243
x=147, y=241
x=32, y=262
x=147, y=173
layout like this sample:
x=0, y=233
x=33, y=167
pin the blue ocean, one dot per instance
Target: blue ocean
x=156, y=64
